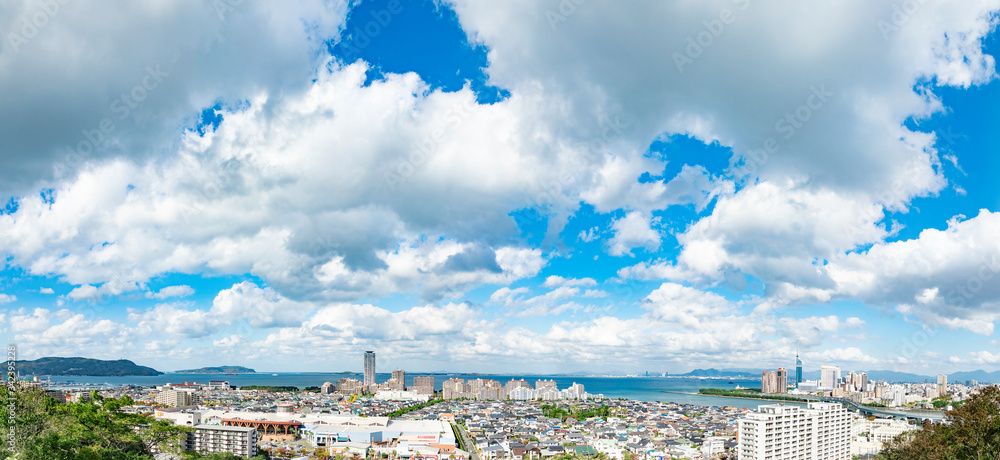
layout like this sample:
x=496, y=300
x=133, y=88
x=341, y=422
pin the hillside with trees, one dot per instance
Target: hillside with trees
x=218, y=370
x=81, y=367
x=100, y=429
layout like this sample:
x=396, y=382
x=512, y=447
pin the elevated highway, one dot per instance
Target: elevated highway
x=918, y=415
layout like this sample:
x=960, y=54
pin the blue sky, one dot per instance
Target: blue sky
x=502, y=186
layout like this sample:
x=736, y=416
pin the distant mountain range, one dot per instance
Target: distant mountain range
x=81, y=367
x=738, y=373
x=889, y=376
x=979, y=376
x=218, y=370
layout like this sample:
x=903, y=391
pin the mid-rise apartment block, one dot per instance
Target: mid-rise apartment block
x=820, y=431
x=456, y=389
x=398, y=380
x=348, y=385
x=210, y=439
x=423, y=385
x=176, y=398
x=545, y=384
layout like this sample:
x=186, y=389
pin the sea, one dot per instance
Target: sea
x=640, y=388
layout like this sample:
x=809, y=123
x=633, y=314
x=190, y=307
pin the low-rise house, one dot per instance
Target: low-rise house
x=492, y=452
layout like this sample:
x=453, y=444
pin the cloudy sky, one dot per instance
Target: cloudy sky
x=502, y=186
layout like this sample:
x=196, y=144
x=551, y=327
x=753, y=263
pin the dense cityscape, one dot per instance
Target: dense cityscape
x=500, y=230
x=485, y=419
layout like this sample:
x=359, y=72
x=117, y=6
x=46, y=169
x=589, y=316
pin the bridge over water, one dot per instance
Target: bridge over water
x=920, y=415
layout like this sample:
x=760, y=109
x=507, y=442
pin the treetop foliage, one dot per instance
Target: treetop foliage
x=974, y=433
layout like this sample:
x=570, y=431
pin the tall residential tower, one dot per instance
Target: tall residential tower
x=398, y=380
x=369, y=369
x=774, y=381
x=942, y=384
x=819, y=431
x=829, y=377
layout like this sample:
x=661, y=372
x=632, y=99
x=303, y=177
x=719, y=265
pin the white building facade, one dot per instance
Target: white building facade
x=829, y=377
x=819, y=432
x=210, y=439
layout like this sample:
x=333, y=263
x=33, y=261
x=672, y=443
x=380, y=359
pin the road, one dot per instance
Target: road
x=467, y=441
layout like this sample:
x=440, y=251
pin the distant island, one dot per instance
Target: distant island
x=218, y=370
x=82, y=367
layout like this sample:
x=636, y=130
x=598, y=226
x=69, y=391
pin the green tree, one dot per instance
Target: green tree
x=30, y=413
x=97, y=429
x=973, y=433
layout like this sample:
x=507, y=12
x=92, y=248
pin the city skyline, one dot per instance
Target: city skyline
x=502, y=186
x=369, y=374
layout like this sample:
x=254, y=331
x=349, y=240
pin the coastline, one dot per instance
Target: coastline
x=639, y=389
x=799, y=401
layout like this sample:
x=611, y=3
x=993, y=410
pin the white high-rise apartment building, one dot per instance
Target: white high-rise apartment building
x=522, y=394
x=819, y=432
x=369, y=369
x=829, y=377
